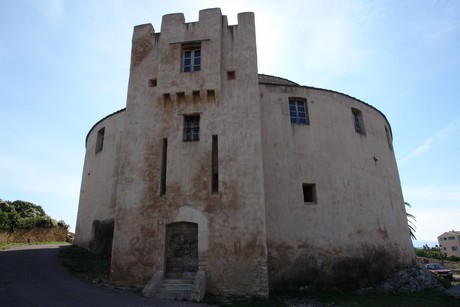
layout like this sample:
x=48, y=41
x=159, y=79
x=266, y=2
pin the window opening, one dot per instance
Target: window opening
x=152, y=82
x=191, y=58
x=215, y=166
x=211, y=95
x=389, y=140
x=196, y=96
x=298, y=111
x=167, y=98
x=231, y=75
x=181, y=97
x=100, y=140
x=191, y=128
x=164, y=154
x=358, y=121
x=309, y=192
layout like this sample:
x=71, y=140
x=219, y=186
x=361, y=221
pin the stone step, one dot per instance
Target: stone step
x=180, y=281
x=174, y=294
x=176, y=288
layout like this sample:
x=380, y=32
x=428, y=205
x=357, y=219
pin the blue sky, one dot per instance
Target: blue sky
x=64, y=64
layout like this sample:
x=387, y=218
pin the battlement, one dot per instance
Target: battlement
x=174, y=25
x=207, y=18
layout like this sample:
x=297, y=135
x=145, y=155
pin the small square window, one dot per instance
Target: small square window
x=100, y=140
x=231, y=75
x=152, y=82
x=191, y=128
x=358, y=121
x=309, y=193
x=191, y=57
x=298, y=111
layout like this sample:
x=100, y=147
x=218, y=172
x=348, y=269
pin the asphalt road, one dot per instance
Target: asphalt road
x=33, y=276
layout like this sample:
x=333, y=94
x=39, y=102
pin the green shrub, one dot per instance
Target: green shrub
x=23, y=214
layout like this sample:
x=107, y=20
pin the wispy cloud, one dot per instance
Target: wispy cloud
x=418, y=151
x=432, y=194
x=442, y=134
x=21, y=176
x=435, y=208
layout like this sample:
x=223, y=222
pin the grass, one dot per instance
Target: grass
x=318, y=297
x=4, y=246
x=89, y=266
x=96, y=269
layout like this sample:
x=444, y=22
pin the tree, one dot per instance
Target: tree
x=23, y=214
x=411, y=223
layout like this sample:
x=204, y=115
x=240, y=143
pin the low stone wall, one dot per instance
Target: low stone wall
x=34, y=235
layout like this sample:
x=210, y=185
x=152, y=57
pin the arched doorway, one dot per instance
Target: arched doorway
x=181, y=249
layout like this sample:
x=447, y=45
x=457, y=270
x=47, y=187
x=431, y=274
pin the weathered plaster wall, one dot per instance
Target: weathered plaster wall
x=99, y=179
x=358, y=225
x=257, y=227
x=231, y=223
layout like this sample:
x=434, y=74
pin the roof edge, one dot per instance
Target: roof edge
x=99, y=121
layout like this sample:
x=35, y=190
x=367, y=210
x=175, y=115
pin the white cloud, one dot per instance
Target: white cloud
x=49, y=8
x=417, y=151
x=450, y=130
x=433, y=195
x=444, y=133
x=435, y=209
x=23, y=176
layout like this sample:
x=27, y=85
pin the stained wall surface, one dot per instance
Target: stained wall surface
x=240, y=186
x=231, y=222
x=99, y=178
x=357, y=224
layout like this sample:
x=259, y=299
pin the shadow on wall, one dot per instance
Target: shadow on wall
x=101, y=242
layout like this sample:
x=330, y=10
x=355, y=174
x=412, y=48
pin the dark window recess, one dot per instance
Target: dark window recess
x=152, y=82
x=358, y=121
x=211, y=94
x=298, y=111
x=191, y=58
x=164, y=155
x=100, y=140
x=191, y=128
x=215, y=166
x=167, y=98
x=389, y=139
x=231, y=75
x=309, y=193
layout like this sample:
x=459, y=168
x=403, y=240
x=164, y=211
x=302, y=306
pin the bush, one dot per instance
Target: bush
x=454, y=258
x=433, y=252
x=22, y=214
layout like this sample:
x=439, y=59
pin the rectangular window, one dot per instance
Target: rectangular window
x=309, y=193
x=389, y=139
x=358, y=121
x=454, y=248
x=100, y=140
x=164, y=155
x=191, y=128
x=215, y=167
x=451, y=238
x=298, y=111
x=191, y=57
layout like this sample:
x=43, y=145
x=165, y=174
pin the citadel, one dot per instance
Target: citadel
x=237, y=181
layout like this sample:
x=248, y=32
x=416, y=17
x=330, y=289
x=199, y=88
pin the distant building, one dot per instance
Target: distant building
x=450, y=243
x=254, y=180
